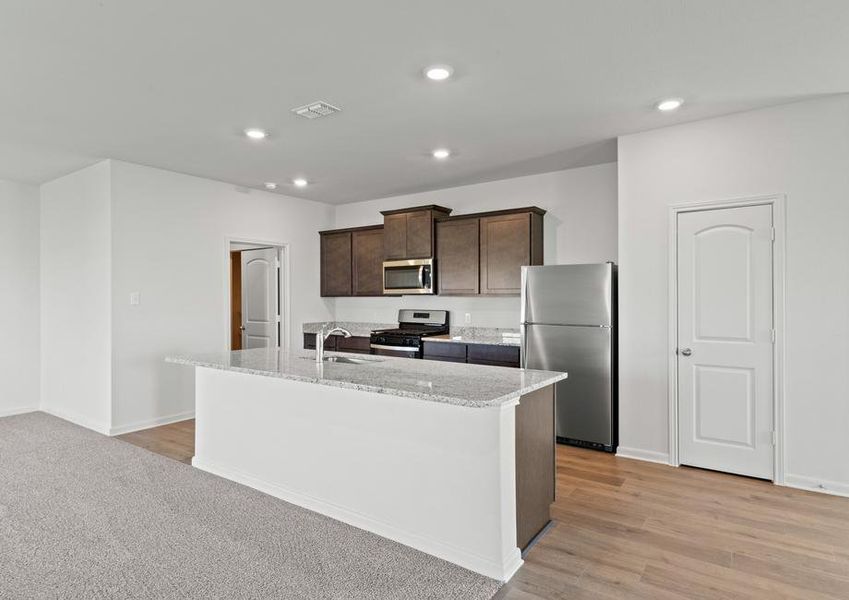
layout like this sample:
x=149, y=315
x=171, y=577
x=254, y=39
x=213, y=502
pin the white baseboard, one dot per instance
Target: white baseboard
x=812, y=484
x=473, y=562
x=8, y=412
x=77, y=419
x=147, y=424
x=646, y=455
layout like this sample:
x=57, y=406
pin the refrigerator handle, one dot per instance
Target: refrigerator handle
x=523, y=329
x=524, y=288
x=523, y=346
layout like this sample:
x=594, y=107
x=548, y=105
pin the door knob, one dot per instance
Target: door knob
x=686, y=352
x=242, y=328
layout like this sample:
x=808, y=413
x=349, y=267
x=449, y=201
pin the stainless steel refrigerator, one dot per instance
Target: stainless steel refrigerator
x=568, y=324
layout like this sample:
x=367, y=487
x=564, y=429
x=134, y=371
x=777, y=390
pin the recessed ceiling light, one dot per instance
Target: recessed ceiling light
x=441, y=153
x=256, y=134
x=669, y=104
x=438, y=72
x=300, y=182
x=271, y=186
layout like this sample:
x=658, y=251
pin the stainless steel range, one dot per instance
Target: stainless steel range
x=406, y=339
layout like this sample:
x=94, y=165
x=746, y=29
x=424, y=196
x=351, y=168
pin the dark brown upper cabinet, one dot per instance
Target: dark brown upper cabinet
x=409, y=232
x=367, y=265
x=335, y=263
x=458, y=256
x=509, y=241
x=483, y=254
x=352, y=261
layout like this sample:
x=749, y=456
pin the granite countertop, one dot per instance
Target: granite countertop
x=491, y=336
x=356, y=329
x=460, y=384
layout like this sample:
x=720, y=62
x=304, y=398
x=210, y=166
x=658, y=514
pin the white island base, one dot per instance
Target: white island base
x=438, y=477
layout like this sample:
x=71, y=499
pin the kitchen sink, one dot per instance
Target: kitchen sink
x=348, y=360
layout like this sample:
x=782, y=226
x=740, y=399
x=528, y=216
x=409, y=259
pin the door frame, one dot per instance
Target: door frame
x=778, y=204
x=284, y=291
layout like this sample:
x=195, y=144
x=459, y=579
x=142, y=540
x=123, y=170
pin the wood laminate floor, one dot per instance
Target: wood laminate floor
x=631, y=529
x=176, y=440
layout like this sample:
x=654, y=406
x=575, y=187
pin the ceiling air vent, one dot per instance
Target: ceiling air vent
x=315, y=110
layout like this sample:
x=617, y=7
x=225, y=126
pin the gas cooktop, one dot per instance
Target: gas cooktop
x=413, y=325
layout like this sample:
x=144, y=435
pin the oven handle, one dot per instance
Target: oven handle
x=395, y=348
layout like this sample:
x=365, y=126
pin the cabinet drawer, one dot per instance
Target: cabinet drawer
x=445, y=350
x=505, y=356
x=359, y=345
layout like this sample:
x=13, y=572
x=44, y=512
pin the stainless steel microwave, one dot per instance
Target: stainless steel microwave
x=413, y=276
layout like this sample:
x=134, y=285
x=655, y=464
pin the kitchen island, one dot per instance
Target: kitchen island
x=455, y=460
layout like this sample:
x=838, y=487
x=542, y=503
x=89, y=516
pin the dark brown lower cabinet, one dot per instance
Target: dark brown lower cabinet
x=486, y=354
x=446, y=351
x=476, y=354
x=359, y=345
x=338, y=343
x=309, y=342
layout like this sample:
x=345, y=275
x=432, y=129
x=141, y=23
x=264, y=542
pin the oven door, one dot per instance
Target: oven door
x=400, y=351
x=414, y=276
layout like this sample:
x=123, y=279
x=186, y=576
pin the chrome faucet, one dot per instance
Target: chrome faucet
x=320, y=339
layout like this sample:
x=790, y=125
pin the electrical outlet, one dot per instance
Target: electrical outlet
x=135, y=298
x=468, y=318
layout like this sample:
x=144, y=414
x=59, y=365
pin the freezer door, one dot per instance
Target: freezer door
x=568, y=294
x=584, y=401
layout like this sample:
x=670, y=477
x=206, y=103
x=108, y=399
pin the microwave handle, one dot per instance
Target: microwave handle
x=421, y=276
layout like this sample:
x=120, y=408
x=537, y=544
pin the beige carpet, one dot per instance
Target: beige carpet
x=86, y=516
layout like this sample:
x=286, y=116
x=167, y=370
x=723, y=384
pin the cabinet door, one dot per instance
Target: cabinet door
x=419, y=234
x=359, y=345
x=395, y=236
x=505, y=245
x=367, y=248
x=336, y=264
x=447, y=351
x=486, y=354
x=309, y=342
x=457, y=251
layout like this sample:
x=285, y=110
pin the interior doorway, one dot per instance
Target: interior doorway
x=726, y=329
x=256, y=295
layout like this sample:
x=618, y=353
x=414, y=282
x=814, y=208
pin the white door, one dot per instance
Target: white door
x=725, y=340
x=260, y=299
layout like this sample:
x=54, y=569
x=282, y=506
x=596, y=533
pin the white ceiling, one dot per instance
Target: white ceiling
x=539, y=85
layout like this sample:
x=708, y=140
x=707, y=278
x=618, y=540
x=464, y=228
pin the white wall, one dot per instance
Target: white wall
x=580, y=226
x=169, y=233
x=19, y=298
x=75, y=297
x=801, y=150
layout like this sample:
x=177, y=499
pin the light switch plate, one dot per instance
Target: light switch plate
x=135, y=298
x=468, y=318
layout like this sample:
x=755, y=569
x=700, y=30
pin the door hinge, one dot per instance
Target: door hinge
x=277, y=263
x=772, y=335
x=772, y=233
x=278, y=318
x=774, y=438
